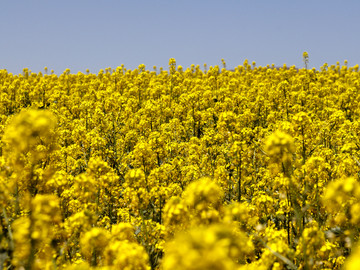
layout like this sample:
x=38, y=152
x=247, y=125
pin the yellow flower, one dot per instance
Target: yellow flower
x=202, y=194
x=353, y=262
x=280, y=148
x=123, y=231
x=93, y=243
x=214, y=247
x=126, y=255
x=27, y=131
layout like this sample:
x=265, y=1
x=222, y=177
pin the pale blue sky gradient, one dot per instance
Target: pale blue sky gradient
x=82, y=34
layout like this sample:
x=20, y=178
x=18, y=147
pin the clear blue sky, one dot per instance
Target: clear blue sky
x=82, y=34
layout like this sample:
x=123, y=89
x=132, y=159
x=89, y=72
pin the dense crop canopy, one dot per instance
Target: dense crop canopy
x=254, y=168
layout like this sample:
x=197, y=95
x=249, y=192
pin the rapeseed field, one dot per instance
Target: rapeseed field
x=184, y=168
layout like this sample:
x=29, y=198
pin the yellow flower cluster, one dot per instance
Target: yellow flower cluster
x=251, y=168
